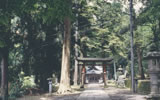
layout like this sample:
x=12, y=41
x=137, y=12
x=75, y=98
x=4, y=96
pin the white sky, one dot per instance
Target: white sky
x=137, y=5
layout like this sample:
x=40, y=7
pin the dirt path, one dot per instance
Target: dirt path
x=94, y=92
x=123, y=94
x=97, y=92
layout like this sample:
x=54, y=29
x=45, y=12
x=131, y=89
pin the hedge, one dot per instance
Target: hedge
x=143, y=86
x=127, y=83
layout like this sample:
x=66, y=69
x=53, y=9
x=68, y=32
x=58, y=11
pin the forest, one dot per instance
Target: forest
x=41, y=39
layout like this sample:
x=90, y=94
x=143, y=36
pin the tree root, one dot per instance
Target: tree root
x=64, y=89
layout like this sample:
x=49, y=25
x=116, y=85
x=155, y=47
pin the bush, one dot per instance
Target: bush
x=28, y=82
x=15, y=90
x=143, y=86
x=21, y=86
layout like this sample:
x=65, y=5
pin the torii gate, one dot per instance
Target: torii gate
x=87, y=61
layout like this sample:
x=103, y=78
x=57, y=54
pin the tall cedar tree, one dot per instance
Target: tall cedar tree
x=65, y=69
x=4, y=73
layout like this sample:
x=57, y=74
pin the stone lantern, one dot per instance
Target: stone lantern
x=154, y=73
x=50, y=85
x=120, y=71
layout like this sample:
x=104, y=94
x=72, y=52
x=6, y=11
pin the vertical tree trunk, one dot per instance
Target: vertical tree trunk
x=76, y=53
x=4, y=63
x=4, y=74
x=140, y=66
x=65, y=67
x=132, y=53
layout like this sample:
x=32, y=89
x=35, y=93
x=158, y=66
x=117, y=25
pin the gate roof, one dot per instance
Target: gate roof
x=94, y=59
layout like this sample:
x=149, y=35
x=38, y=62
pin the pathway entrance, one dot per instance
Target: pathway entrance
x=93, y=92
x=103, y=62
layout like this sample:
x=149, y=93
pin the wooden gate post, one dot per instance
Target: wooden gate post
x=104, y=74
x=83, y=76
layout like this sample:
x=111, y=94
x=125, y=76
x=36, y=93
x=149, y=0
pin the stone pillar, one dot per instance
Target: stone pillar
x=50, y=85
x=154, y=71
x=115, y=72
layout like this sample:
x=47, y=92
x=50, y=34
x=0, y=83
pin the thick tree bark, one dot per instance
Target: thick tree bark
x=4, y=74
x=140, y=66
x=65, y=68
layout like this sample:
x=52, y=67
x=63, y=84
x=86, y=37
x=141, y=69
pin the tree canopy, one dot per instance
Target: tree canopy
x=37, y=35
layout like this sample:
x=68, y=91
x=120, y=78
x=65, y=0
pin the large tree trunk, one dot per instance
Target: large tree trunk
x=76, y=53
x=141, y=71
x=4, y=74
x=132, y=53
x=65, y=67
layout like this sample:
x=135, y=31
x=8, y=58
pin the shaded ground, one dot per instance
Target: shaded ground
x=92, y=92
x=73, y=96
x=70, y=96
x=123, y=94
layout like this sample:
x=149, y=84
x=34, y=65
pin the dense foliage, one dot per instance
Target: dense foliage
x=31, y=36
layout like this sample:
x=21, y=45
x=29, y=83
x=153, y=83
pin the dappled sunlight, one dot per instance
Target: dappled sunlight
x=44, y=98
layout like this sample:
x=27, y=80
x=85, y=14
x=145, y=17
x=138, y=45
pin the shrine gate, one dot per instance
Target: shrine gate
x=83, y=62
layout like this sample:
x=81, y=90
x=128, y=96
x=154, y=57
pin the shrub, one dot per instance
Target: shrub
x=28, y=82
x=21, y=86
x=15, y=90
x=143, y=86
